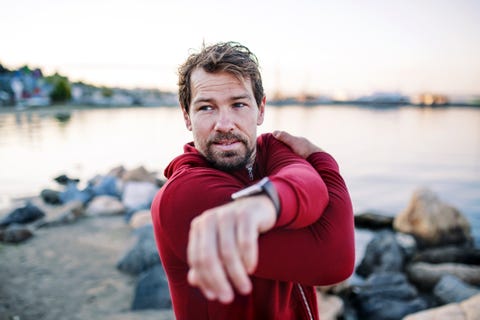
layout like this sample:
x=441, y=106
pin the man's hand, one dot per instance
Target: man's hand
x=223, y=246
x=301, y=146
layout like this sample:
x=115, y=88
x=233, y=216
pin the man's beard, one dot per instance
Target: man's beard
x=228, y=160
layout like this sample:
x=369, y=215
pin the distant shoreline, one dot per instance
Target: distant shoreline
x=65, y=107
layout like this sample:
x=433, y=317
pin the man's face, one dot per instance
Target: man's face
x=223, y=117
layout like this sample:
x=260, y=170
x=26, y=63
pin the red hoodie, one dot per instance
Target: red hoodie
x=311, y=244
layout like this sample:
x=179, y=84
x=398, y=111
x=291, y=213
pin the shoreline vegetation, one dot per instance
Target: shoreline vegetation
x=89, y=253
x=28, y=87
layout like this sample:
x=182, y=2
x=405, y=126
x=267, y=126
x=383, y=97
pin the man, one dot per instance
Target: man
x=245, y=226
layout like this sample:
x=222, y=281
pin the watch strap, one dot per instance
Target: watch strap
x=263, y=186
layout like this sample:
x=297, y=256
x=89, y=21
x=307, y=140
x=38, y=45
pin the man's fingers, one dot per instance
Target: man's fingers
x=230, y=253
x=207, y=271
x=247, y=236
x=300, y=145
x=283, y=136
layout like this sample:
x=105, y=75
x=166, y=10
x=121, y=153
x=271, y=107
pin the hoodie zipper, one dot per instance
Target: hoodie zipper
x=305, y=302
x=250, y=173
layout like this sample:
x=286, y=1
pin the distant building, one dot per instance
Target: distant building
x=430, y=99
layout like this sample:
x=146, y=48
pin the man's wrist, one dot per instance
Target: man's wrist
x=264, y=186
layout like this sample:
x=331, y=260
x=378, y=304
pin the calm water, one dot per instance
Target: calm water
x=384, y=154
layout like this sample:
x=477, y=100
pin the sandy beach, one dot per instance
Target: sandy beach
x=68, y=272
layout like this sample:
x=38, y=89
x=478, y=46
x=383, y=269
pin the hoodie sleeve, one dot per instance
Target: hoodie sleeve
x=187, y=194
x=302, y=192
x=322, y=253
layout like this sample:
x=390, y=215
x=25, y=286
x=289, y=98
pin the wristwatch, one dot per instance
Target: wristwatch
x=263, y=186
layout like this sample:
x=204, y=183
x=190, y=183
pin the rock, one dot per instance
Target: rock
x=22, y=215
x=117, y=171
x=72, y=193
x=470, y=307
x=465, y=255
x=15, y=233
x=426, y=275
x=50, y=196
x=382, y=254
x=64, y=214
x=105, y=205
x=432, y=222
x=330, y=307
x=373, y=221
x=152, y=290
x=138, y=193
x=407, y=242
x=466, y=310
x=139, y=174
x=450, y=312
x=143, y=255
x=140, y=218
x=451, y=289
x=64, y=180
x=108, y=185
x=387, y=296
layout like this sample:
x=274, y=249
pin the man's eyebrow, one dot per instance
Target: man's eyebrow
x=202, y=99
x=240, y=97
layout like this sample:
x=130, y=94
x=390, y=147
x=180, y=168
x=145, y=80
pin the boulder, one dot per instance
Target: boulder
x=451, y=289
x=22, y=215
x=138, y=193
x=143, y=255
x=465, y=255
x=64, y=214
x=50, y=196
x=373, y=221
x=140, y=218
x=387, y=296
x=382, y=254
x=72, y=193
x=15, y=233
x=432, y=222
x=139, y=174
x=152, y=290
x=64, y=180
x=426, y=275
x=470, y=307
x=108, y=185
x=330, y=307
x=104, y=205
x=466, y=310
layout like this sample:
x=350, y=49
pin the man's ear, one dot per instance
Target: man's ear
x=261, y=111
x=186, y=118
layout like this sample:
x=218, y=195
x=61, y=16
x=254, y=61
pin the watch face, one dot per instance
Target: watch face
x=253, y=189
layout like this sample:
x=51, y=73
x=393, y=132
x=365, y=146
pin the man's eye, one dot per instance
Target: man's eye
x=239, y=105
x=205, y=108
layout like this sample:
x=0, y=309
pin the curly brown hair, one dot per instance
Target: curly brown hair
x=231, y=57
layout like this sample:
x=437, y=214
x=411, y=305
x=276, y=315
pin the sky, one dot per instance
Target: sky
x=303, y=46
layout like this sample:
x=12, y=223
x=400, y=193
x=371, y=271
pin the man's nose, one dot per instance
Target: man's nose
x=225, y=121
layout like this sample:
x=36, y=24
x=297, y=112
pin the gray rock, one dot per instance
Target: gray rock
x=15, y=233
x=104, y=205
x=373, y=221
x=466, y=255
x=426, y=275
x=22, y=215
x=432, y=222
x=51, y=196
x=143, y=255
x=382, y=254
x=451, y=289
x=152, y=290
x=387, y=295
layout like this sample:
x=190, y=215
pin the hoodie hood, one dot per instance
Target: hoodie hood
x=190, y=158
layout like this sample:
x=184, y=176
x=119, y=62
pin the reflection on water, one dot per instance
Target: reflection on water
x=384, y=154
